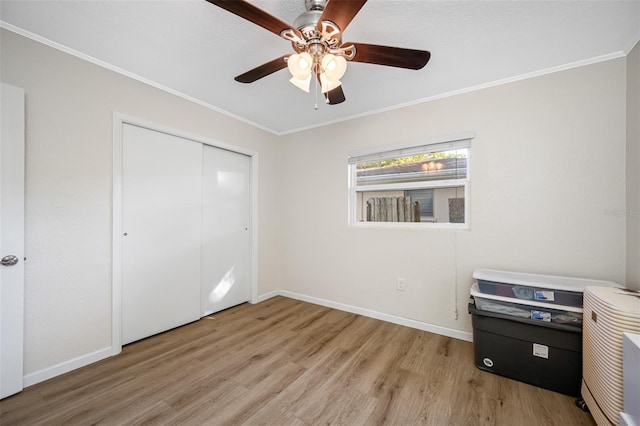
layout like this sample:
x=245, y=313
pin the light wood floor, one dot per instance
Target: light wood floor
x=286, y=362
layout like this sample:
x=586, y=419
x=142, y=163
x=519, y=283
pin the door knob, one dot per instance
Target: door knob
x=9, y=260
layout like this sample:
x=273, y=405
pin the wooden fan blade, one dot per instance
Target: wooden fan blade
x=253, y=14
x=335, y=96
x=340, y=12
x=263, y=70
x=391, y=56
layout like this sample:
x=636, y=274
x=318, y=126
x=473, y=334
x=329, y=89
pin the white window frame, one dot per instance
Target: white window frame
x=451, y=142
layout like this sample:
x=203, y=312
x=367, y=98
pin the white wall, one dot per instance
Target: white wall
x=547, y=164
x=68, y=191
x=633, y=168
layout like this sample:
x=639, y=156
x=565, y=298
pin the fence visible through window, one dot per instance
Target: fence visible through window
x=426, y=184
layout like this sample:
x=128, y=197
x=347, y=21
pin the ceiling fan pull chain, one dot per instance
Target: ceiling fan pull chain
x=316, y=105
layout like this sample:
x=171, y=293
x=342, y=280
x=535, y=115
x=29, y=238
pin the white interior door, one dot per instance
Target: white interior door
x=161, y=246
x=11, y=239
x=226, y=250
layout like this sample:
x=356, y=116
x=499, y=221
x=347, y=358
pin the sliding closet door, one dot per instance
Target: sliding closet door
x=226, y=250
x=161, y=246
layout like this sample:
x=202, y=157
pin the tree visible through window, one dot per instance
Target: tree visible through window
x=425, y=184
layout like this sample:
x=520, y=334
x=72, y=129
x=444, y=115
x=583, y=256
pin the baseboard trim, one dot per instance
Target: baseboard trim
x=449, y=332
x=267, y=296
x=67, y=366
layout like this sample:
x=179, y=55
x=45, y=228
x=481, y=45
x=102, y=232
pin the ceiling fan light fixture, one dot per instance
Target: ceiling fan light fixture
x=333, y=67
x=300, y=65
x=303, y=84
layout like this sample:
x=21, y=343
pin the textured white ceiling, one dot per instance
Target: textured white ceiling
x=195, y=49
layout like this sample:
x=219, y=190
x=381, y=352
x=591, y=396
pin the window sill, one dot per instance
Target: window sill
x=411, y=225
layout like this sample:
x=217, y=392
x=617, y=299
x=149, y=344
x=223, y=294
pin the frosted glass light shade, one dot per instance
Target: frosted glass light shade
x=300, y=65
x=303, y=84
x=333, y=67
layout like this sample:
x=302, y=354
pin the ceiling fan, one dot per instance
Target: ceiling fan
x=316, y=37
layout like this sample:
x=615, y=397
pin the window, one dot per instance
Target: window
x=419, y=186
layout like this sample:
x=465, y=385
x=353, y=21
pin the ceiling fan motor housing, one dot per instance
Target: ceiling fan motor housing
x=317, y=42
x=312, y=15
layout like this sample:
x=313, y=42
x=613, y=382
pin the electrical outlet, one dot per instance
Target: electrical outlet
x=400, y=285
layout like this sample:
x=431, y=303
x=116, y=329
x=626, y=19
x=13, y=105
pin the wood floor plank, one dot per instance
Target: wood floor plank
x=286, y=362
x=352, y=373
x=258, y=396
x=318, y=340
x=206, y=408
x=153, y=414
x=354, y=409
x=284, y=418
x=303, y=389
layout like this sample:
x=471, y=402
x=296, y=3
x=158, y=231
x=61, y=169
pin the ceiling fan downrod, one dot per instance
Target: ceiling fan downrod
x=312, y=15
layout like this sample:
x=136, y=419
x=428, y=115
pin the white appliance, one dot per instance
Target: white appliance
x=608, y=312
x=631, y=370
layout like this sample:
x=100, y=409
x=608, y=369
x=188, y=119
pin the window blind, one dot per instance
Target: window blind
x=409, y=151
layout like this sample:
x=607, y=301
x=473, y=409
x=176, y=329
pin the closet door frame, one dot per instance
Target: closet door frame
x=119, y=120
